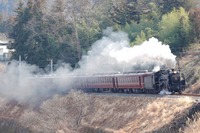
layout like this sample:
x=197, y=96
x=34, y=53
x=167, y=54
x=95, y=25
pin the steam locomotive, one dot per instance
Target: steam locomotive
x=133, y=82
x=127, y=82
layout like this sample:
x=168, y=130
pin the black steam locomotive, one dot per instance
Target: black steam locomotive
x=170, y=80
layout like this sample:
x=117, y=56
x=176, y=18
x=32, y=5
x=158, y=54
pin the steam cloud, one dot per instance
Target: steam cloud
x=112, y=53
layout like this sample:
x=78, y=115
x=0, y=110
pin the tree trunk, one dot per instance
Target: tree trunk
x=76, y=37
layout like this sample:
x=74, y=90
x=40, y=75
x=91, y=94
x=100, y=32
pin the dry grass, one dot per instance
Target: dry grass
x=193, y=125
x=2, y=103
x=9, y=114
x=80, y=112
x=156, y=114
x=194, y=89
x=58, y=114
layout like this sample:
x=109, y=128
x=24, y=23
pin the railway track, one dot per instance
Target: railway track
x=188, y=94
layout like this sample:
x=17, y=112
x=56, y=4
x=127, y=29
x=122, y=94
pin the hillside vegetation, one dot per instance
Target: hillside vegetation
x=189, y=62
x=193, y=125
x=65, y=30
x=79, y=112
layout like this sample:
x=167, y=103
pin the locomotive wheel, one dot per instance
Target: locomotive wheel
x=180, y=92
x=173, y=92
x=144, y=91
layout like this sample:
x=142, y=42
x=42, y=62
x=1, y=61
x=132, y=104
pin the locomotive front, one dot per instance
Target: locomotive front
x=170, y=80
x=176, y=82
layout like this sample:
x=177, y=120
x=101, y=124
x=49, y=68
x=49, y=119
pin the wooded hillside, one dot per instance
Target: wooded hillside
x=65, y=30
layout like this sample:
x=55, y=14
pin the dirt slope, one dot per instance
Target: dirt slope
x=79, y=112
x=190, y=62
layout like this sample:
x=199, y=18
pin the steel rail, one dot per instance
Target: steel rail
x=188, y=94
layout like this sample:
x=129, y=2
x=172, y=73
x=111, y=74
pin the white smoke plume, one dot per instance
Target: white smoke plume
x=112, y=53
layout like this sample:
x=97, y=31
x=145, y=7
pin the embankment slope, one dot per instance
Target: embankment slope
x=80, y=112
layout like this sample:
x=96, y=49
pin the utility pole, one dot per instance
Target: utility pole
x=20, y=60
x=51, y=66
x=178, y=64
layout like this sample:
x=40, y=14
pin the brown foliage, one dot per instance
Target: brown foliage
x=79, y=112
x=65, y=113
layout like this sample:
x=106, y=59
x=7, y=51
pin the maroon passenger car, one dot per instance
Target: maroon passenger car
x=116, y=82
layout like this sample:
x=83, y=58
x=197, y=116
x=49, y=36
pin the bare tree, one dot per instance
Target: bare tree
x=60, y=113
x=82, y=103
